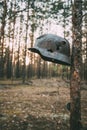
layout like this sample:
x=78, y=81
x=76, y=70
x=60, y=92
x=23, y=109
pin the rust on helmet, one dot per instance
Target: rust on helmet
x=53, y=48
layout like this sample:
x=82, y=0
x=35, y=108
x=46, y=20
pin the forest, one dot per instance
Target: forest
x=21, y=22
x=25, y=74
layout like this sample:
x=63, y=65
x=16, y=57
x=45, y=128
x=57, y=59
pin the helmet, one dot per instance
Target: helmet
x=53, y=48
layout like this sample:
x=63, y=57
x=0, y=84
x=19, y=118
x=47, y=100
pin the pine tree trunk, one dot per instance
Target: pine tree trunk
x=25, y=47
x=75, y=85
x=2, y=33
x=86, y=61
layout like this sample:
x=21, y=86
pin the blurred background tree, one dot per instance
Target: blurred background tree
x=21, y=22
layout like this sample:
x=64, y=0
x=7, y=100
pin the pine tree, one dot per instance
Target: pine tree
x=75, y=85
x=3, y=14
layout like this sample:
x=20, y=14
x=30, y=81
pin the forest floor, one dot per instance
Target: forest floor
x=39, y=104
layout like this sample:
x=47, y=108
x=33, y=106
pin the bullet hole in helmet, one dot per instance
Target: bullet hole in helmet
x=63, y=42
x=50, y=50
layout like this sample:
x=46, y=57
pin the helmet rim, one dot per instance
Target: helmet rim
x=55, y=57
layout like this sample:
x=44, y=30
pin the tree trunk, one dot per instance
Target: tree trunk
x=75, y=84
x=25, y=47
x=2, y=33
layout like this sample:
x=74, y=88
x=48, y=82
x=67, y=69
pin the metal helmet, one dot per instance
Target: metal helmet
x=53, y=48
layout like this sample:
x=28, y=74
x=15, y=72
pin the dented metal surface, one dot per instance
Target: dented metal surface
x=53, y=48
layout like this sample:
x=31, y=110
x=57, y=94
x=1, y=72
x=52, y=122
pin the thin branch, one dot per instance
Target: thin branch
x=16, y=12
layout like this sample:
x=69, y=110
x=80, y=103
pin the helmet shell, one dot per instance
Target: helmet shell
x=53, y=48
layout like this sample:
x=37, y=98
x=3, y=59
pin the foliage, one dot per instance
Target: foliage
x=21, y=21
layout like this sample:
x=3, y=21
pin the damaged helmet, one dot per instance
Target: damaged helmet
x=53, y=48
